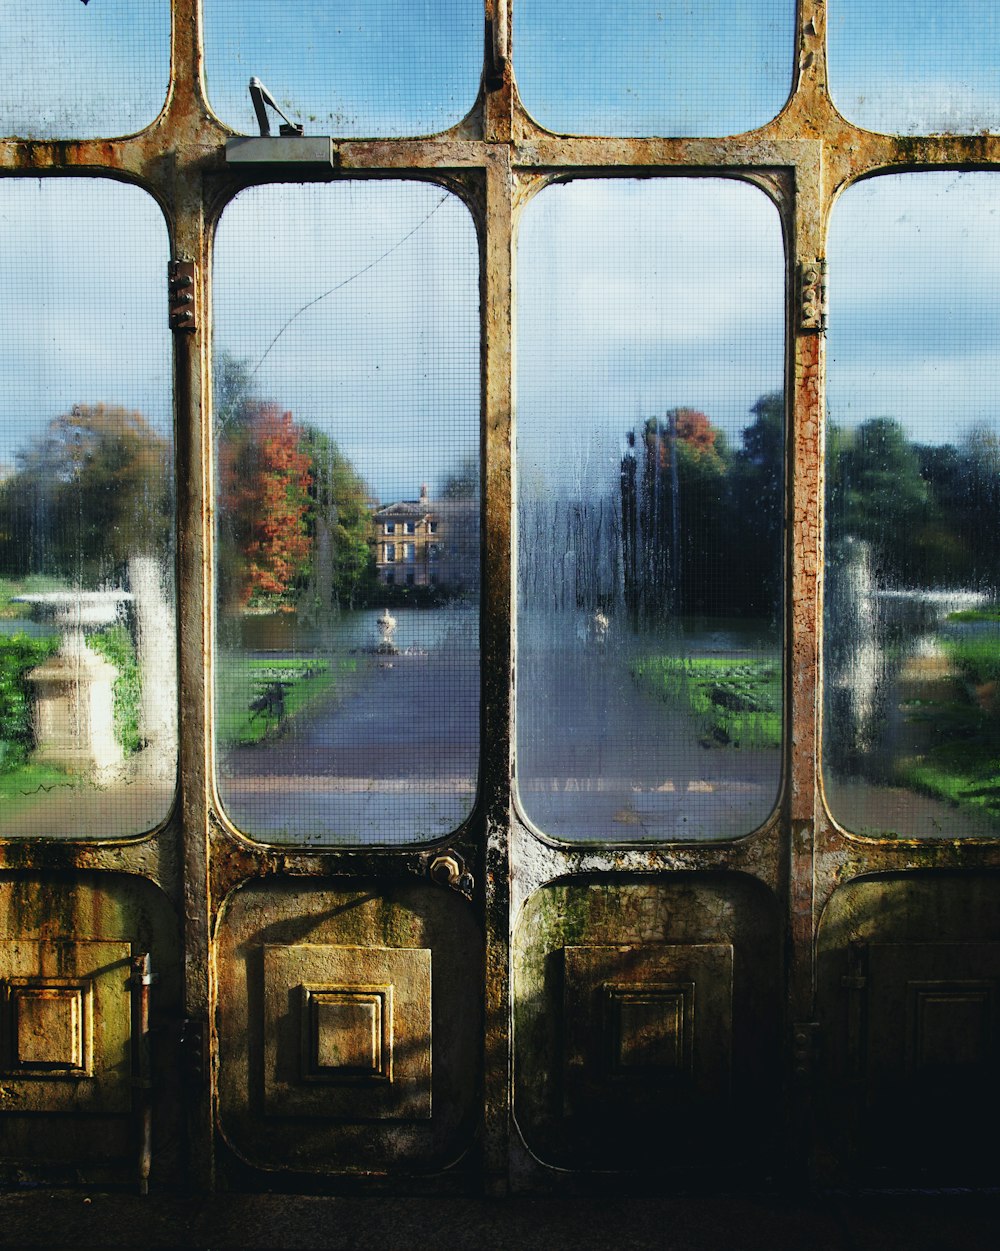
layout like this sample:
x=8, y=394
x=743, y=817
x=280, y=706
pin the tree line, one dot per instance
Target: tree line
x=96, y=488
x=702, y=522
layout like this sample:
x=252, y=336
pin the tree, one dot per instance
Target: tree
x=462, y=482
x=757, y=520
x=674, y=511
x=342, y=565
x=264, y=482
x=877, y=494
x=294, y=516
x=94, y=490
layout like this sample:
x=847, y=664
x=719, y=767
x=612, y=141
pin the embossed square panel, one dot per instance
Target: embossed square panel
x=66, y=1029
x=51, y=1022
x=634, y=1040
x=347, y=1032
x=932, y=1007
x=649, y=1028
x=950, y=1024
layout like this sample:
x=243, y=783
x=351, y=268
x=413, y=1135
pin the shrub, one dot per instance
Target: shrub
x=115, y=645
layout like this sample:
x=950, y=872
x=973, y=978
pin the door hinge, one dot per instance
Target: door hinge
x=805, y=1044
x=812, y=295
x=194, y=1056
x=182, y=289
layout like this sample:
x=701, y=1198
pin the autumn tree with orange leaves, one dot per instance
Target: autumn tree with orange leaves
x=265, y=480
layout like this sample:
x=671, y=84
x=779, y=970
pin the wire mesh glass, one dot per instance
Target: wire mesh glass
x=347, y=496
x=358, y=67
x=911, y=737
x=88, y=667
x=654, y=67
x=650, y=435
x=83, y=71
x=916, y=66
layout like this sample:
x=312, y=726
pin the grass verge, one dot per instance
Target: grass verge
x=737, y=702
x=242, y=682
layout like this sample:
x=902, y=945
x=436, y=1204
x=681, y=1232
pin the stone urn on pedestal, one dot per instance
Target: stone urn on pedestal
x=73, y=712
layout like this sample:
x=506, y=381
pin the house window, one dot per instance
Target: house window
x=409, y=527
x=409, y=553
x=389, y=528
x=432, y=527
x=390, y=551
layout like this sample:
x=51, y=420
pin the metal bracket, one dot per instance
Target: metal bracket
x=812, y=295
x=182, y=287
x=262, y=100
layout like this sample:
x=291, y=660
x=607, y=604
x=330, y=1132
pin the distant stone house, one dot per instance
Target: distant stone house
x=427, y=543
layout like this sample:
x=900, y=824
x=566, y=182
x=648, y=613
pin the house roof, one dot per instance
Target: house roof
x=406, y=509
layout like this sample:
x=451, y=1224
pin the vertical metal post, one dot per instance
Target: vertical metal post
x=496, y=747
x=142, y=981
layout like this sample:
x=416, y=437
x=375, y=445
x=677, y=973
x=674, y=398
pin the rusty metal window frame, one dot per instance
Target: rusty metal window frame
x=495, y=159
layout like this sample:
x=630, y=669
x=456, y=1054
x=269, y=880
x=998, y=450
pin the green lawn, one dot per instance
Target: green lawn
x=30, y=779
x=964, y=768
x=241, y=681
x=737, y=702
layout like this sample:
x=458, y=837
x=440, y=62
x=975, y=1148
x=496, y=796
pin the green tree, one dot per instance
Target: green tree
x=877, y=493
x=675, y=503
x=295, y=516
x=462, y=482
x=342, y=567
x=95, y=489
x=757, y=520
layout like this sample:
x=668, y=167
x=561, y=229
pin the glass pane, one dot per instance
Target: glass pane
x=649, y=487
x=916, y=66
x=912, y=651
x=347, y=487
x=88, y=669
x=83, y=71
x=654, y=67
x=358, y=67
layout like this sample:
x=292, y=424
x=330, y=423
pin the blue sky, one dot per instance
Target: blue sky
x=634, y=67
x=916, y=66
x=117, y=53
x=913, y=276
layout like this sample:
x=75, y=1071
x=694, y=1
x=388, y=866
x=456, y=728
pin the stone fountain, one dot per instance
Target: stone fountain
x=73, y=709
x=387, y=633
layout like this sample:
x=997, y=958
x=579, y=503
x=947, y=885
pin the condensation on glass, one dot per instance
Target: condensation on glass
x=654, y=67
x=88, y=658
x=357, y=67
x=916, y=66
x=346, y=372
x=649, y=509
x=75, y=71
x=912, y=609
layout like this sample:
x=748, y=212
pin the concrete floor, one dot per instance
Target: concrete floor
x=893, y=1222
